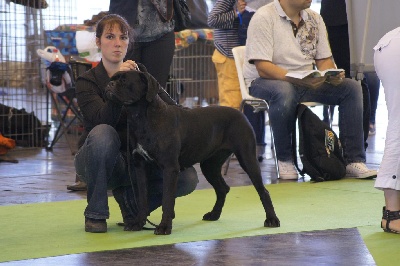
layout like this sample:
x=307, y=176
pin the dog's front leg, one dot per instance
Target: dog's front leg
x=140, y=195
x=170, y=181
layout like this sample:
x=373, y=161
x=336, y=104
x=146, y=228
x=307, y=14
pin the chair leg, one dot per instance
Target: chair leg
x=229, y=158
x=62, y=129
x=274, y=151
x=227, y=164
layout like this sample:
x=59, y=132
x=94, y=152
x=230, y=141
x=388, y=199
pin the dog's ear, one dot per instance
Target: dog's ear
x=152, y=86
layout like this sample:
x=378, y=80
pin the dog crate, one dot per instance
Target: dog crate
x=193, y=78
x=25, y=114
x=23, y=27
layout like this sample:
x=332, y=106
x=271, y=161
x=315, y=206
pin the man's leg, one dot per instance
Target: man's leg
x=283, y=99
x=348, y=95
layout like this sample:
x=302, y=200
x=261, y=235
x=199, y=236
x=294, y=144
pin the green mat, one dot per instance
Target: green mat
x=57, y=228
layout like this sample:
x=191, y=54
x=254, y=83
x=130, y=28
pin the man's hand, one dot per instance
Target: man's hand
x=335, y=80
x=308, y=82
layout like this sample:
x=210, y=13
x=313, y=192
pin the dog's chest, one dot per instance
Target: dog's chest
x=143, y=133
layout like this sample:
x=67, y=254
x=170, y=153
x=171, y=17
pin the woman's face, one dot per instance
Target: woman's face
x=113, y=44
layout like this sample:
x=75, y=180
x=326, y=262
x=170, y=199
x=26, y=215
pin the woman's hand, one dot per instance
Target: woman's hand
x=128, y=65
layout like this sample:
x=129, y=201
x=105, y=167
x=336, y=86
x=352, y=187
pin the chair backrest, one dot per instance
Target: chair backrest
x=238, y=55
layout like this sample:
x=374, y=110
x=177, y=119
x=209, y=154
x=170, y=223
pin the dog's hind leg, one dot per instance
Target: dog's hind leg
x=211, y=168
x=251, y=166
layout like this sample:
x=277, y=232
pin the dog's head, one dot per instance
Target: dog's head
x=128, y=87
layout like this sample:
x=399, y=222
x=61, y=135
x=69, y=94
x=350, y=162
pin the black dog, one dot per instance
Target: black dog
x=177, y=137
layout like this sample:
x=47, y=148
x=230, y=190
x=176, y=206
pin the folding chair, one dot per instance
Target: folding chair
x=66, y=107
x=259, y=105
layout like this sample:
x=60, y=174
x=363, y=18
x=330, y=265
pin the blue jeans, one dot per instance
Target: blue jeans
x=102, y=166
x=283, y=98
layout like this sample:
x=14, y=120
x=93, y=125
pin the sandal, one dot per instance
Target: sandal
x=390, y=216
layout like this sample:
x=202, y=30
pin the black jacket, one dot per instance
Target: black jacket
x=96, y=110
x=129, y=9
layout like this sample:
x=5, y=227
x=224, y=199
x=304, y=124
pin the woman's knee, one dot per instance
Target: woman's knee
x=104, y=136
x=187, y=182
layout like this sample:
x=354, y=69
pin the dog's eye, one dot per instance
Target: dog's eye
x=111, y=84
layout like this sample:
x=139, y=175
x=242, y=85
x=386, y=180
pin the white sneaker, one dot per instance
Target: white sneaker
x=287, y=171
x=359, y=170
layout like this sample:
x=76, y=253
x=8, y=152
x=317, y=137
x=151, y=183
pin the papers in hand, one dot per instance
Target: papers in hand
x=314, y=73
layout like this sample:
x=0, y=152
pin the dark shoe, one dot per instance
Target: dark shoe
x=77, y=186
x=390, y=216
x=95, y=225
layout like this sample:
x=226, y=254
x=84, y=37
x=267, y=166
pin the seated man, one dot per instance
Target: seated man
x=288, y=36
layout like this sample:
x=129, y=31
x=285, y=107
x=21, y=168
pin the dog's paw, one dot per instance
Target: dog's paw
x=272, y=222
x=212, y=216
x=163, y=230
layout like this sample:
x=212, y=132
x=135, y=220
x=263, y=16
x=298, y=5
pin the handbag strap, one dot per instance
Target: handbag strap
x=169, y=6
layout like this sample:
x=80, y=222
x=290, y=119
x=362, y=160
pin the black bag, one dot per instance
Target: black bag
x=181, y=15
x=319, y=148
x=198, y=14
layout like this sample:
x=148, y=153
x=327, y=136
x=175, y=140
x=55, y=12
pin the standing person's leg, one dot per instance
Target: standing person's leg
x=387, y=67
x=339, y=41
x=230, y=95
x=228, y=83
x=373, y=83
x=156, y=56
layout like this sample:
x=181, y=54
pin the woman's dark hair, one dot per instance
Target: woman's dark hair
x=110, y=21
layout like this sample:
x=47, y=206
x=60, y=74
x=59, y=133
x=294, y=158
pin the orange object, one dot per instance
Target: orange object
x=6, y=144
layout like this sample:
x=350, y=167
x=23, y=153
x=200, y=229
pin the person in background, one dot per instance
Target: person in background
x=225, y=19
x=335, y=17
x=374, y=84
x=387, y=66
x=154, y=41
x=101, y=160
x=287, y=35
x=153, y=25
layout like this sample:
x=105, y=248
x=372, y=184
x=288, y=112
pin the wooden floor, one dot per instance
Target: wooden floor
x=42, y=176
